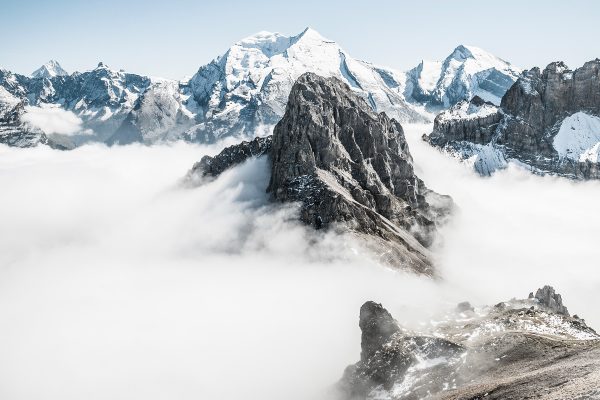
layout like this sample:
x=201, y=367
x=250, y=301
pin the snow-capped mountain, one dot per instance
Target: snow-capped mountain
x=49, y=70
x=244, y=91
x=249, y=85
x=469, y=71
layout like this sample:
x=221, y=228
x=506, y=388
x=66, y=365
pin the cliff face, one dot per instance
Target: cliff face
x=549, y=120
x=348, y=168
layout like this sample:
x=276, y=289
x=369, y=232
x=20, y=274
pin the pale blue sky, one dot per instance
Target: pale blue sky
x=173, y=38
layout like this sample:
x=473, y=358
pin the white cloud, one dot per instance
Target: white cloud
x=54, y=119
x=117, y=283
x=516, y=231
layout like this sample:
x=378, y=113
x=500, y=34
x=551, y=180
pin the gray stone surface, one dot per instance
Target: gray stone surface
x=346, y=164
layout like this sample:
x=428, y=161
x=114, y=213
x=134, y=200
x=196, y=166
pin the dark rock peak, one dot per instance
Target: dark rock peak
x=551, y=300
x=326, y=126
x=347, y=167
x=345, y=163
x=387, y=353
x=377, y=326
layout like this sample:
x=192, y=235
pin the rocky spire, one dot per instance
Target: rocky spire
x=547, y=297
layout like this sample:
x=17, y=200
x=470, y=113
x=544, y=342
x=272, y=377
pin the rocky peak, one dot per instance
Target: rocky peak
x=346, y=164
x=349, y=169
x=377, y=327
x=548, y=298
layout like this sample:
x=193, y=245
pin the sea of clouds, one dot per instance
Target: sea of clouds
x=117, y=281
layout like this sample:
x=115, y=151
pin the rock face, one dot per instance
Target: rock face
x=231, y=156
x=548, y=120
x=514, y=350
x=348, y=168
x=345, y=163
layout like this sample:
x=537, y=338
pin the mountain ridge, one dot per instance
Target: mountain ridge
x=239, y=92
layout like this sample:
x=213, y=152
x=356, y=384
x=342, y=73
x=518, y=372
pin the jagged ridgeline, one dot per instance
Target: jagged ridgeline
x=518, y=349
x=242, y=91
x=348, y=167
x=548, y=121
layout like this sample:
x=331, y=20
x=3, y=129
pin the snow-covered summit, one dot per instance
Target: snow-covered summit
x=49, y=70
x=248, y=86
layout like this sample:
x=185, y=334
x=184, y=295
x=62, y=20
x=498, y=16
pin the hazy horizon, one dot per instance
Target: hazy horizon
x=173, y=40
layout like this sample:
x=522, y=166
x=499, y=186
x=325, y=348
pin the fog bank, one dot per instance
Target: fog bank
x=116, y=282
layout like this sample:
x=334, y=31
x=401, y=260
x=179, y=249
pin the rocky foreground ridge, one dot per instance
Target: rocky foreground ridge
x=348, y=168
x=517, y=349
x=548, y=121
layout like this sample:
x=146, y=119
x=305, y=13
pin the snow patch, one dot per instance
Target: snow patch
x=578, y=138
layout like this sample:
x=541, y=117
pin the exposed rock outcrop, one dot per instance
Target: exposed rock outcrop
x=345, y=163
x=548, y=120
x=514, y=350
x=230, y=156
x=347, y=167
x=552, y=300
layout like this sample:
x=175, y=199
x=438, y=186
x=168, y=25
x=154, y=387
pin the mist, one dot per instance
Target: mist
x=54, y=119
x=514, y=231
x=117, y=281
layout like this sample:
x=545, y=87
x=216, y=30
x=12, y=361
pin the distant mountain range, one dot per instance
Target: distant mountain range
x=239, y=93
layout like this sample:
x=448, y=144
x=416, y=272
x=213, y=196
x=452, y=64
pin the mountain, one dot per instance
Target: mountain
x=49, y=70
x=348, y=168
x=517, y=349
x=244, y=92
x=249, y=85
x=468, y=71
x=549, y=122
